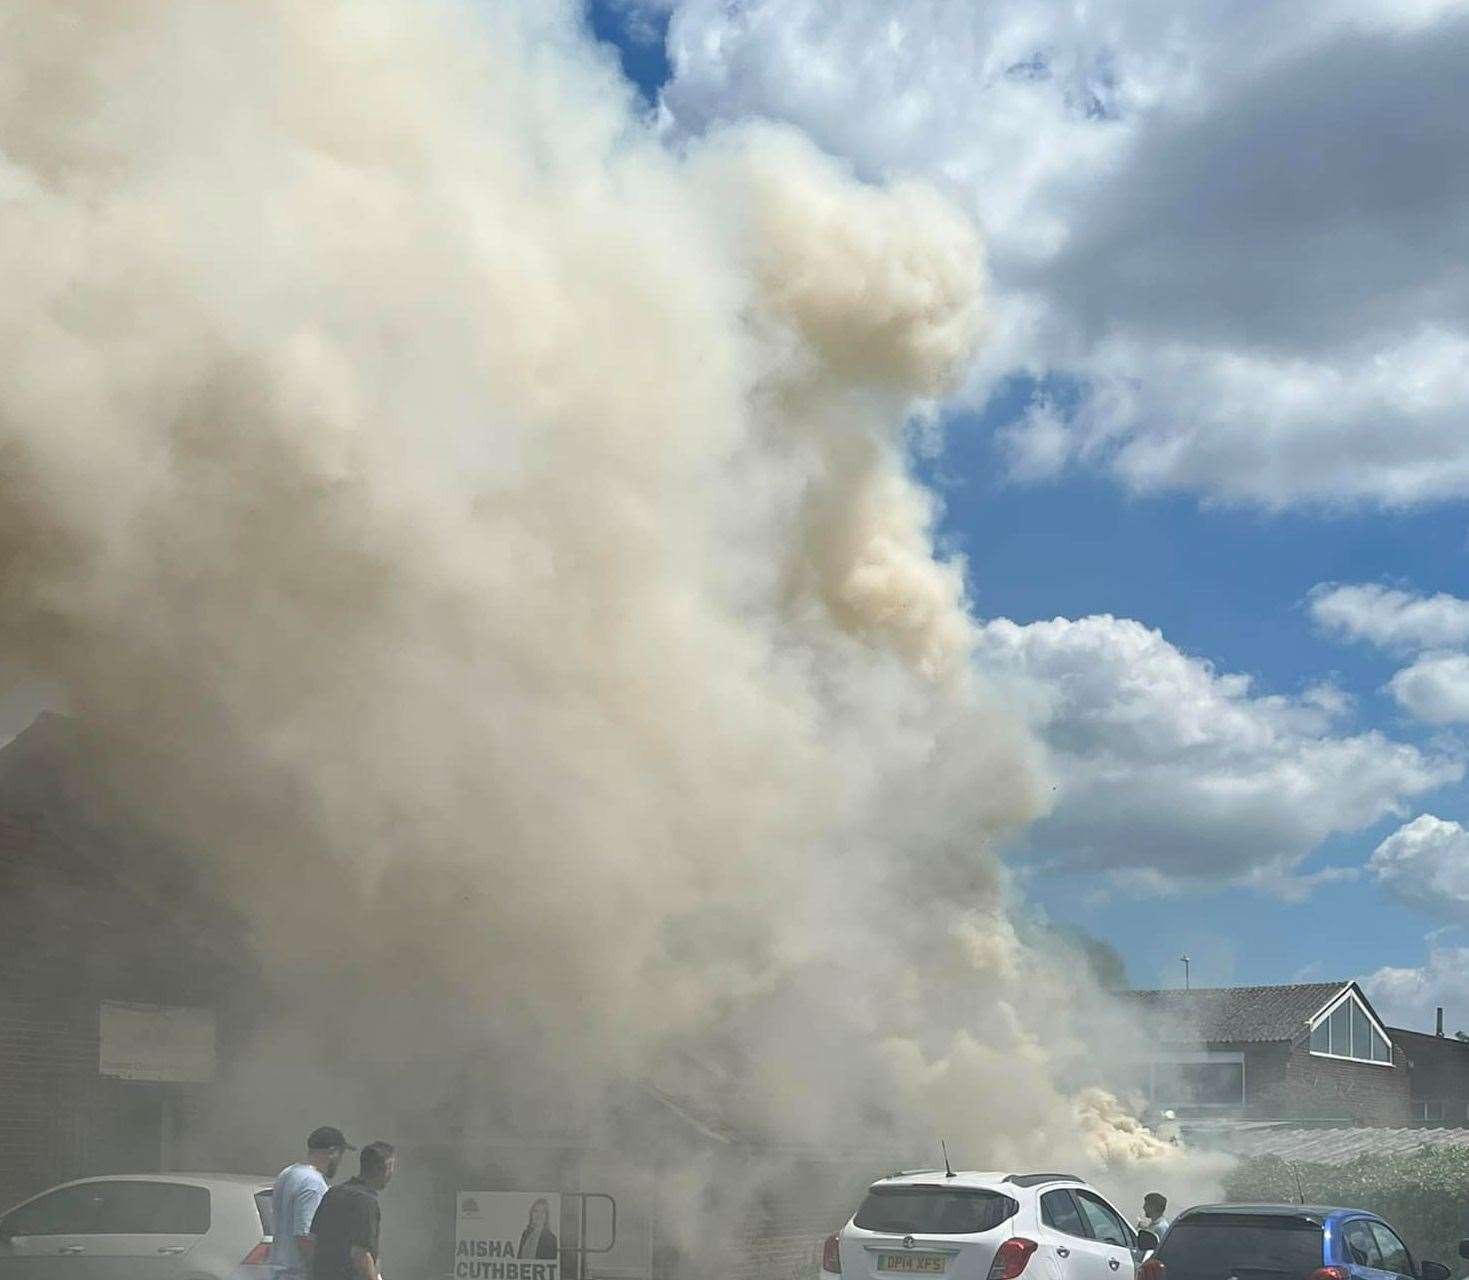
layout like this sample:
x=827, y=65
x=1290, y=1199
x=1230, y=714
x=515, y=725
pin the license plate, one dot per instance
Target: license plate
x=920, y=1264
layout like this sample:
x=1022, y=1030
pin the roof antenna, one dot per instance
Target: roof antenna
x=1300, y=1190
x=948, y=1168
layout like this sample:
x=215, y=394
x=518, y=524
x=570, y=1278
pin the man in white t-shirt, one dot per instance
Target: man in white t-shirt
x=1155, y=1205
x=297, y=1191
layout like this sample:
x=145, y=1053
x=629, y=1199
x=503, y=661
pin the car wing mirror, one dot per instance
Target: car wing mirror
x=1147, y=1242
x=1435, y=1270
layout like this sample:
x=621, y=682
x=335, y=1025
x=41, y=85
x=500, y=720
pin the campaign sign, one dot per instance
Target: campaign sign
x=508, y=1235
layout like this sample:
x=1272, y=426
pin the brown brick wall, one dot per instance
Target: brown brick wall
x=48, y=1057
x=782, y=1233
x=784, y=1257
x=1287, y=1081
x=73, y=934
x=1266, y=1080
x=1363, y=1092
x=1440, y=1072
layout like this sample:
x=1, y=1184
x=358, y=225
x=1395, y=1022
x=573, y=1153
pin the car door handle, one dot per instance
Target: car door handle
x=1063, y=1252
x=72, y=1248
x=1113, y=1263
x=171, y=1248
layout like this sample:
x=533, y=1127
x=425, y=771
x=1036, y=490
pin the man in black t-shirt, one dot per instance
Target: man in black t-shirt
x=347, y=1220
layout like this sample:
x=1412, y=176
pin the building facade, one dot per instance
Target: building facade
x=117, y=983
x=1439, y=1076
x=131, y=998
x=1308, y=1051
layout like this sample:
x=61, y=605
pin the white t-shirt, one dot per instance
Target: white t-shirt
x=297, y=1191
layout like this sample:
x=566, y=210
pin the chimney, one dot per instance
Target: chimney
x=1439, y=1031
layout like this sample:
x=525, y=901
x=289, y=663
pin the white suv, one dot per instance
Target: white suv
x=983, y=1226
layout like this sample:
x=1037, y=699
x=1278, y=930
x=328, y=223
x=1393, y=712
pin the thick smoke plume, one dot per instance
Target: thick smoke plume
x=482, y=538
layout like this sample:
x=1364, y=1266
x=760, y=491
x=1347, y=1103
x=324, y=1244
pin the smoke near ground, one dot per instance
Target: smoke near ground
x=482, y=537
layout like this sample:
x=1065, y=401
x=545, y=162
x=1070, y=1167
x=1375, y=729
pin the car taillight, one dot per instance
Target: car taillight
x=1152, y=1269
x=831, y=1256
x=258, y=1256
x=1331, y=1273
x=1011, y=1257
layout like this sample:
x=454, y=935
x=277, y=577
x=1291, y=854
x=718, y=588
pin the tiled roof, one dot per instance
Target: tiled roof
x=1338, y=1146
x=1237, y=1014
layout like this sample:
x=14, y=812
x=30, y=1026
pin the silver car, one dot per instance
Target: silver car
x=142, y=1226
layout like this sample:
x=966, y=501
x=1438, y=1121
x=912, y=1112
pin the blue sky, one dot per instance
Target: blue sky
x=1227, y=367
x=1231, y=585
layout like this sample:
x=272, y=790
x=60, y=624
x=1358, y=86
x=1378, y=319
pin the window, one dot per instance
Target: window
x=1395, y=1255
x=115, y=1209
x=1058, y=1210
x=1429, y=1109
x=911, y=1211
x=265, y=1207
x=58, y=1213
x=1211, y=1080
x=1362, y=1244
x=1106, y=1225
x=1361, y=1033
x=1215, y=1245
x=1348, y=1032
x=151, y=1208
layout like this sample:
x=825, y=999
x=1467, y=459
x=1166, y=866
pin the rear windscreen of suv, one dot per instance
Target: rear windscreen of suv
x=945, y=1211
x=1246, y=1245
x=265, y=1207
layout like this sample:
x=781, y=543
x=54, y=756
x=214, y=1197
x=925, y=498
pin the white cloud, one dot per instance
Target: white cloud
x=1407, y=997
x=1435, y=688
x=1241, y=237
x=1172, y=773
x=1388, y=617
x=1425, y=863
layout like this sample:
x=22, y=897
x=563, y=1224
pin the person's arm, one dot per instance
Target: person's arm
x=363, y=1237
x=364, y=1265
x=303, y=1213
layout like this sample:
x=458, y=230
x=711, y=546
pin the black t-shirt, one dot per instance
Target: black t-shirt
x=348, y=1215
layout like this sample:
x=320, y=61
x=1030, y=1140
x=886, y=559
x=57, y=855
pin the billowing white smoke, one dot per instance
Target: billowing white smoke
x=484, y=537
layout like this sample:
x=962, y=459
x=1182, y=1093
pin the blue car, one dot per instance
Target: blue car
x=1284, y=1242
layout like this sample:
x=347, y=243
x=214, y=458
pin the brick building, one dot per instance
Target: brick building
x=129, y=992
x=1439, y=1076
x=117, y=978
x=1308, y=1051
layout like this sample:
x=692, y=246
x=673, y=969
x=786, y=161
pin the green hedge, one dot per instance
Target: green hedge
x=1425, y=1194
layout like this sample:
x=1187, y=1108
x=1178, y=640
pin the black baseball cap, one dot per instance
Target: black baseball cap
x=328, y=1138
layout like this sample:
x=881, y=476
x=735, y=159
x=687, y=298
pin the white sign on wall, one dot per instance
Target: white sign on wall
x=508, y=1235
x=156, y=1042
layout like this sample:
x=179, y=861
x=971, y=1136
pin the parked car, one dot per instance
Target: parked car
x=983, y=1226
x=142, y=1226
x=1268, y=1241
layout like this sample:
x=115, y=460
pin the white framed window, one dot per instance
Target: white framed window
x=1428, y=1109
x=1344, y=1029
